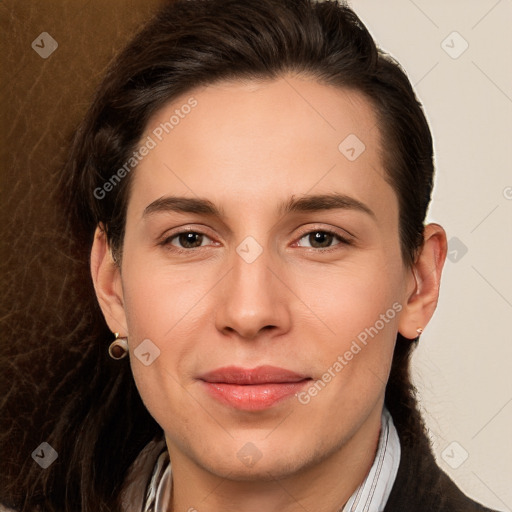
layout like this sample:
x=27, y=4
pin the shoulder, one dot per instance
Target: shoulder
x=421, y=485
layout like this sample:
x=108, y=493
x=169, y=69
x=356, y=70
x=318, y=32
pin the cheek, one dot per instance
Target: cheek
x=166, y=305
x=358, y=313
x=349, y=299
x=160, y=298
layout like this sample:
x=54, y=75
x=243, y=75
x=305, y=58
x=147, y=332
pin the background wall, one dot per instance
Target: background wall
x=458, y=55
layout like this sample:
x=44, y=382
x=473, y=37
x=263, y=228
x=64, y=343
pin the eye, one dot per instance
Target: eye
x=186, y=240
x=322, y=239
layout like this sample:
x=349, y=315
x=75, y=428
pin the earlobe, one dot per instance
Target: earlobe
x=421, y=302
x=106, y=276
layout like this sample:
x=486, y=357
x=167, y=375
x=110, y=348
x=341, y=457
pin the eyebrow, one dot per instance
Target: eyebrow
x=309, y=203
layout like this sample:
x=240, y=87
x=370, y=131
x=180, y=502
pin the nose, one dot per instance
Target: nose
x=253, y=301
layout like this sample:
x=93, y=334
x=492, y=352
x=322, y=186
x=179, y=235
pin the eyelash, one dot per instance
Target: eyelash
x=343, y=241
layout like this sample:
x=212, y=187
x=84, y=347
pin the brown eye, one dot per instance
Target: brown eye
x=190, y=240
x=186, y=240
x=321, y=239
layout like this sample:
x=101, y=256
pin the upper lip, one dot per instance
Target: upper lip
x=260, y=375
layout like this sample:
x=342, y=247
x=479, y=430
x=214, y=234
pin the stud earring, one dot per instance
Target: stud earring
x=419, y=330
x=118, y=348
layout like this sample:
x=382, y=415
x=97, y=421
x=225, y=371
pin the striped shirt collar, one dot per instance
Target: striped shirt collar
x=371, y=495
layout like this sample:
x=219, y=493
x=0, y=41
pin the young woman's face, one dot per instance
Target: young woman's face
x=231, y=264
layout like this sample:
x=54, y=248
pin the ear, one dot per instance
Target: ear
x=106, y=276
x=423, y=292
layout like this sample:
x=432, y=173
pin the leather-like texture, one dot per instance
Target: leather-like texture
x=42, y=100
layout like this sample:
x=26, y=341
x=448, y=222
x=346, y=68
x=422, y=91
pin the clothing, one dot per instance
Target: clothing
x=403, y=478
x=421, y=486
x=373, y=493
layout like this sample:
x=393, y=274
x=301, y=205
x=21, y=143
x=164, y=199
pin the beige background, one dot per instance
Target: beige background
x=463, y=365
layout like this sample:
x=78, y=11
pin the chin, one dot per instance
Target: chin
x=266, y=463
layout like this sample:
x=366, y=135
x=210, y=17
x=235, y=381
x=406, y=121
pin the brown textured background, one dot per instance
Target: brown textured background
x=42, y=101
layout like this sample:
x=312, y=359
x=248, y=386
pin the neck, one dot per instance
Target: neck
x=324, y=485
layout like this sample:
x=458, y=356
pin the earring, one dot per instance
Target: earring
x=118, y=348
x=419, y=330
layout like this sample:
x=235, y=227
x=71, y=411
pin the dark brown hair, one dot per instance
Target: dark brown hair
x=95, y=417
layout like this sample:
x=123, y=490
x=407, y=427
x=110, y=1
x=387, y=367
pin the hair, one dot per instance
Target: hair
x=93, y=415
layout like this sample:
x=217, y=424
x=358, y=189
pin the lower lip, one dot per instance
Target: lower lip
x=253, y=397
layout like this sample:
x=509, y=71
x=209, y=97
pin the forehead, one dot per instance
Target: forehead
x=257, y=141
x=291, y=106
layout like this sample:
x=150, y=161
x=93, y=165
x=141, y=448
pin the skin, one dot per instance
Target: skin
x=248, y=147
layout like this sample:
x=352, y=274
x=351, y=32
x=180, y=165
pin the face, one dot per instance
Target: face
x=269, y=314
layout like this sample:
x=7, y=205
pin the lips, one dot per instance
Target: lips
x=260, y=375
x=252, y=389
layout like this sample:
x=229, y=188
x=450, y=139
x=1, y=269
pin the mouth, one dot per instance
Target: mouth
x=253, y=389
